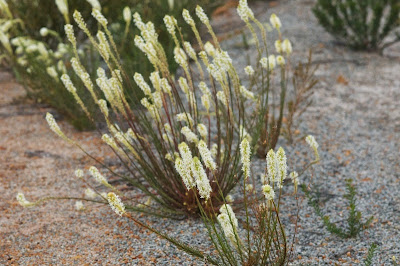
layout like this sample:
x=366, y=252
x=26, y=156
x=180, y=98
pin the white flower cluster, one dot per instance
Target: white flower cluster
x=23, y=202
x=104, y=47
x=116, y=203
x=90, y=193
x=206, y=156
x=54, y=127
x=79, y=173
x=96, y=13
x=127, y=14
x=185, y=117
x=79, y=205
x=276, y=166
x=275, y=21
x=295, y=179
x=249, y=70
x=188, y=18
x=268, y=192
x=98, y=176
x=190, y=136
x=244, y=11
x=69, y=31
x=192, y=171
x=246, y=93
x=202, y=15
x=313, y=144
x=228, y=222
x=202, y=182
x=245, y=154
x=268, y=63
x=62, y=6
x=95, y=4
x=184, y=165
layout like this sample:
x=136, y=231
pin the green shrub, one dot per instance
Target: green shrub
x=361, y=24
x=354, y=223
x=39, y=23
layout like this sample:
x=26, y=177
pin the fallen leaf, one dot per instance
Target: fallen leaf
x=273, y=3
x=342, y=80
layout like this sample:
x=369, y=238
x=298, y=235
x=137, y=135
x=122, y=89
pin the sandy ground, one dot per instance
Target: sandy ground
x=355, y=116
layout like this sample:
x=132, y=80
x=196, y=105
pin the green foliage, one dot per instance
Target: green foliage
x=362, y=24
x=370, y=254
x=33, y=15
x=355, y=226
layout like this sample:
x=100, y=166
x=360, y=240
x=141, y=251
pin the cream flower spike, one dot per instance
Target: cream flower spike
x=23, y=202
x=245, y=153
x=127, y=14
x=275, y=21
x=206, y=156
x=268, y=192
x=116, y=203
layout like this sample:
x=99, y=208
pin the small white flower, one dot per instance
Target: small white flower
x=268, y=192
x=202, y=16
x=98, y=176
x=54, y=127
x=206, y=155
x=44, y=31
x=52, y=72
x=190, y=136
x=186, y=16
x=280, y=60
x=90, y=193
x=229, y=198
x=287, y=47
x=268, y=63
x=202, y=182
x=127, y=14
x=245, y=154
x=278, y=46
x=116, y=203
x=23, y=202
x=96, y=13
x=142, y=84
x=246, y=93
x=275, y=21
x=249, y=187
x=210, y=49
x=95, y=4
x=295, y=179
x=282, y=166
x=62, y=6
x=222, y=98
x=185, y=117
x=79, y=205
x=170, y=23
x=189, y=50
x=244, y=11
x=205, y=101
x=184, y=171
x=271, y=165
x=79, y=173
x=249, y=70
x=313, y=144
x=202, y=129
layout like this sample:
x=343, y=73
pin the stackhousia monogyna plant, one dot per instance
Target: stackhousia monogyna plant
x=187, y=134
x=254, y=236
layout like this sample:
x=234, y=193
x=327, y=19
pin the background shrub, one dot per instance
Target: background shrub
x=34, y=15
x=361, y=24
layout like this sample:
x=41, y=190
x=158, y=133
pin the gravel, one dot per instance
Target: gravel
x=355, y=117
